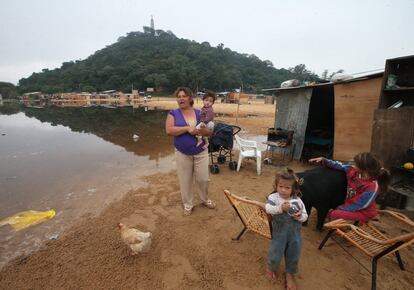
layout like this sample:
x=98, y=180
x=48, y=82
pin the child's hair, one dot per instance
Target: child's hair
x=187, y=91
x=289, y=175
x=209, y=94
x=369, y=164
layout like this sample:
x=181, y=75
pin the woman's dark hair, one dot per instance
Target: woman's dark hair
x=210, y=94
x=370, y=164
x=187, y=91
x=289, y=175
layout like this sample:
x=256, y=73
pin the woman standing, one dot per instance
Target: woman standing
x=192, y=160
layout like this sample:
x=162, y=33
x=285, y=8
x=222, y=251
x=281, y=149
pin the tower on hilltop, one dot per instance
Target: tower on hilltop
x=152, y=23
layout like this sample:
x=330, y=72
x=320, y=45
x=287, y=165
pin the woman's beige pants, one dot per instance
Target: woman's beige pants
x=192, y=169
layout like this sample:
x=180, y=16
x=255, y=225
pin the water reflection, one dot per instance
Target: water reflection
x=75, y=160
x=116, y=126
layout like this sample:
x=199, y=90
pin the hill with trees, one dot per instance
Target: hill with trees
x=8, y=90
x=157, y=58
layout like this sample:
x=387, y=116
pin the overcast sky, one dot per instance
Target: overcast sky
x=354, y=35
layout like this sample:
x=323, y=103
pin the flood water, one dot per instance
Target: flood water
x=75, y=160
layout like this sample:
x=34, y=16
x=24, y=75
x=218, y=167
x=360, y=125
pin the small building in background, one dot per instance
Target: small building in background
x=236, y=97
x=33, y=96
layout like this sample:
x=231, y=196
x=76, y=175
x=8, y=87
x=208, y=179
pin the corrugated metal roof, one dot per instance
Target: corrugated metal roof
x=299, y=87
x=361, y=78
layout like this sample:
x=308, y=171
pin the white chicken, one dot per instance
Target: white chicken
x=138, y=241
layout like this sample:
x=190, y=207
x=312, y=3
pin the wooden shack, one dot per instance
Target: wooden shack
x=308, y=111
x=236, y=97
x=269, y=99
x=330, y=119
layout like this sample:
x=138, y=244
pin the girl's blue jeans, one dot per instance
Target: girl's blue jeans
x=286, y=242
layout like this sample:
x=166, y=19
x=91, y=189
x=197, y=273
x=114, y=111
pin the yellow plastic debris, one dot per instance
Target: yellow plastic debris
x=24, y=219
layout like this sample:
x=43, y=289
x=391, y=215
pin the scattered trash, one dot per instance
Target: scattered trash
x=396, y=105
x=267, y=161
x=392, y=82
x=290, y=83
x=108, y=106
x=92, y=190
x=28, y=218
x=340, y=77
x=135, y=137
x=53, y=237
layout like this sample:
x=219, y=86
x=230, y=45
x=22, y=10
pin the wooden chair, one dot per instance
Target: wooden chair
x=371, y=241
x=252, y=214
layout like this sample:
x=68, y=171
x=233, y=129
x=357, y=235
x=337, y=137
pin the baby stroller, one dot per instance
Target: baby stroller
x=221, y=145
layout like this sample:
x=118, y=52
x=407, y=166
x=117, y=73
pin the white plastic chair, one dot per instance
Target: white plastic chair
x=248, y=149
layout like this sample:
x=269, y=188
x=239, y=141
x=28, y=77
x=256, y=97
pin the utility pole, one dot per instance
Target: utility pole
x=238, y=102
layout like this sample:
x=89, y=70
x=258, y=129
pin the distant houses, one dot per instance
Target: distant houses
x=110, y=95
x=33, y=96
x=83, y=97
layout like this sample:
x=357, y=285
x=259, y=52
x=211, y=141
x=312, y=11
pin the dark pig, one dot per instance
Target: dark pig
x=324, y=189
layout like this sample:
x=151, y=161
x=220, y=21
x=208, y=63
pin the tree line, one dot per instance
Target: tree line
x=159, y=59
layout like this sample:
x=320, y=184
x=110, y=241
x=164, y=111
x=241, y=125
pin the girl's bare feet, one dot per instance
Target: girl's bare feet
x=270, y=275
x=290, y=282
x=273, y=276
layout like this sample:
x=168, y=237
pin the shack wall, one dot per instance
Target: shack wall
x=292, y=108
x=355, y=103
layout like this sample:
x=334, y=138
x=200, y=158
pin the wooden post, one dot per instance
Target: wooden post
x=237, y=114
x=238, y=103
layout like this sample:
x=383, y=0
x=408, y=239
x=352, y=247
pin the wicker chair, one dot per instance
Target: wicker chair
x=371, y=241
x=252, y=214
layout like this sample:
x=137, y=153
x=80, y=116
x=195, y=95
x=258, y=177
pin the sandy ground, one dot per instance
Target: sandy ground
x=194, y=252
